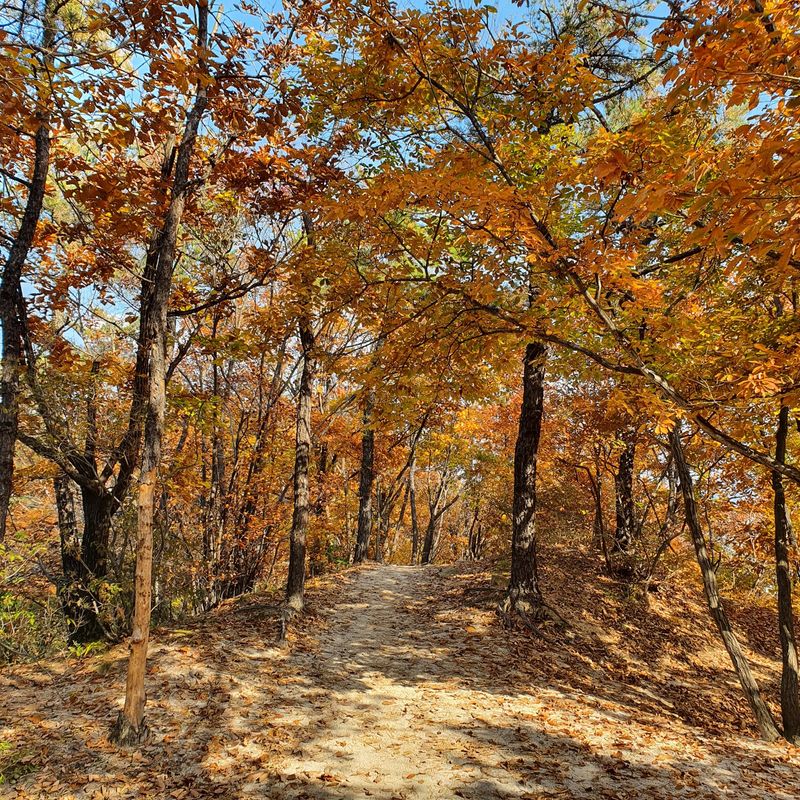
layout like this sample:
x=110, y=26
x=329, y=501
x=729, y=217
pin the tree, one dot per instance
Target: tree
x=524, y=598
x=766, y=724
x=130, y=727
x=11, y=298
x=297, y=541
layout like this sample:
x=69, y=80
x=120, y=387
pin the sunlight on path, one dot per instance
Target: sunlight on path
x=415, y=707
x=404, y=689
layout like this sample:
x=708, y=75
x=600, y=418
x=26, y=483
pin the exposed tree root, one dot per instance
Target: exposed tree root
x=516, y=612
x=125, y=734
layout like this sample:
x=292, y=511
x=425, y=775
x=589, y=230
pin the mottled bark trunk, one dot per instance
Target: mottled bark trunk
x=365, y=484
x=71, y=566
x=790, y=699
x=10, y=288
x=623, y=484
x=763, y=717
x=297, y=538
x=524, y=596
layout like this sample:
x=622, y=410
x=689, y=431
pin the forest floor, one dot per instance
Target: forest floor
x=401, y=684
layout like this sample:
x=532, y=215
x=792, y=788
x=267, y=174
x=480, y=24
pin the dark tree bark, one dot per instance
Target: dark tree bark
x=763, y=717
x=10, y=283
x=130, y=727
x=366, y=481
x=623, y=484
x=429, y=541
x=297, y=538
x=790, y=698
x=524, y=597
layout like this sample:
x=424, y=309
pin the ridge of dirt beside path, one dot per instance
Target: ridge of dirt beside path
x=394, y=691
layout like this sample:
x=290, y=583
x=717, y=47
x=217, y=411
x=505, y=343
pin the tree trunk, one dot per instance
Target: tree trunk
x=10, y=288
x=524, y=596
x=366, y=481
x=790, y=699
x=83, y=606
x=412, y=504
x=71, y=565
x=766, y=724
x=623, y=484
x=430, y=535
x=130, y=727
x=380, y=503
x=297, y=539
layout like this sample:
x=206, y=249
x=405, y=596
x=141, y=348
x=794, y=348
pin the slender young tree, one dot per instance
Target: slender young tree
x=366, y=481
x=297, y=538
x=130, y=727
x=762, y=714
x=412, y=503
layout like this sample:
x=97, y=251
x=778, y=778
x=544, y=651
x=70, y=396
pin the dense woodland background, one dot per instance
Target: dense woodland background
x=289, y=287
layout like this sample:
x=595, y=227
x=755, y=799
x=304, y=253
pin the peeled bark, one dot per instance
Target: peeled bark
x=790, y=697
x=763, y=717
x=10, y=289
x=524, y=597
x=130, y=727
x=297, y=538
x=366, y=480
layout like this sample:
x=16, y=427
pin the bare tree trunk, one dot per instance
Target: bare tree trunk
x=71, y=568
x=10, y=288
x=430, y=533
x=381, y=501
x=524, y=597
x=763, y=717
x=130, y=727
x=790, y=699
x=437, y=507
x=366, y=481
x=412, y=502
x=297, y=539
x=623, y=484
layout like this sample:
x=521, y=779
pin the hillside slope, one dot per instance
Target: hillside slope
x=400, y=684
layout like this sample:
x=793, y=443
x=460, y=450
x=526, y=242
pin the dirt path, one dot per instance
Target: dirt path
x=419, y=706
x=401, y=689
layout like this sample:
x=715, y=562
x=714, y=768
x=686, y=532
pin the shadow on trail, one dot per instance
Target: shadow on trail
x=407, y=689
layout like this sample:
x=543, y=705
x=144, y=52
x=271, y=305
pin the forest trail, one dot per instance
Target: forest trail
x=400, y=684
